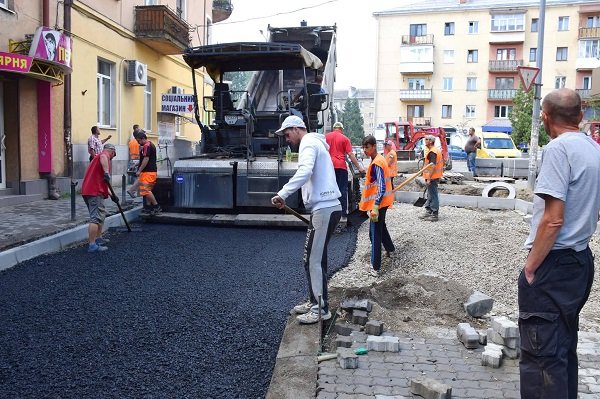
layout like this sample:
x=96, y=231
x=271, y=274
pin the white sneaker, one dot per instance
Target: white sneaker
x=374, y=273
x=303, y=307
x=312, y=317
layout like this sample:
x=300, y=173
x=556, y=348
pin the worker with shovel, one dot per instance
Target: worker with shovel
x=433, y=156
x=316, y=177
x=94, y=190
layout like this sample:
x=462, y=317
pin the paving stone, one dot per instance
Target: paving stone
x=347, y=359
x=429, y=388
x=491, y=358
x=383, y=344
x=342, y=341
x=343, y=328
x=505, y=327
x=374, y=327
x=511, y=353
x=359, y=336
x=467, y=335
x=355, y=303
x=478, y=304
x=482, y=337
x=360, y=317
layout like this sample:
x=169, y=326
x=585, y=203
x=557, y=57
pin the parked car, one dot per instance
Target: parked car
x=456, y=152
x=497, y=145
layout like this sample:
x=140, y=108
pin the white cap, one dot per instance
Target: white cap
x=291, y=121
x=430, y=137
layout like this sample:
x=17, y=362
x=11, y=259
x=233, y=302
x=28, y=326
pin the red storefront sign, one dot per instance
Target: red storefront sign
x=12, y=62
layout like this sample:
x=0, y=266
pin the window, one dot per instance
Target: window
x=448, y=84
x=181, y=9
x=532, y=54
x=507, y=22
x=473, y=27
x=148, y=106
x=418, y=29
x=415, y=111
x=563, y=23
x=587, y=82
x=416, y=84
x=448, y=28
x=472, y=56
x=562, y=53
x=593, y=22
x=589, y=48
x=504, y=54
x=4, y=4
x=502, y=111
x=150, y=2
x=534, y=24
x=470, y=111
x=505, y=83
x=446, y=111
x=105, y=103
x=471, y=84
x=560, y=82
x=448, y=56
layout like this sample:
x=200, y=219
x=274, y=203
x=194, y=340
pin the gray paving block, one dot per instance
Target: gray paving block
x=483, y=335
x=347, y=359
x=491, y=357
x=478, y=304
x=467, y=335
x=511, y=353
x=374, y=327
x=524, y=207
x=359, y=317
x=343, y=328
x=505, y=327
x=356, y=303
x=463, y=201
x=343, y=342
x=359, y=336
x=429, y=388
x=383, y=343
x=495, y=203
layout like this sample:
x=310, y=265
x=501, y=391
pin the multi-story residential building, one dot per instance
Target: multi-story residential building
x=69, y=65
x=454, y=62
x=366, y=104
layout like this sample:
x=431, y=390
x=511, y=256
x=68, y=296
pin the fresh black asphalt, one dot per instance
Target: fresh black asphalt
x=168, y=312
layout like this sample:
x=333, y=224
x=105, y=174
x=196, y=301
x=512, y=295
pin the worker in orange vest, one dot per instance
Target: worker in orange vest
x=432, y=176
x=389, y=150
x=134, y=161
x=377, y=197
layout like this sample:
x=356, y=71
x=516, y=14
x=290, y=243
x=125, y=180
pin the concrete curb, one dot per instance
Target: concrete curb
x=59, y=241
x=467, y=201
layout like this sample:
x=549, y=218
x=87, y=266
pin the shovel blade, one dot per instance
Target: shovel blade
x=420, y=202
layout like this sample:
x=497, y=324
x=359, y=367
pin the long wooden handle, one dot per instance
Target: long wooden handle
x=293, y=212
x=119, y=206
x=405, y=182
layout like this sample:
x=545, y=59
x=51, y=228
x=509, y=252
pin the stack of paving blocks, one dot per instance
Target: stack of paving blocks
x=502, y=340
x=358, y=331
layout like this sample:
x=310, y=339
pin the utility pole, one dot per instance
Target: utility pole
x=537, y=96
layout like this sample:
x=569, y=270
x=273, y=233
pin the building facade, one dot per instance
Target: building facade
x=366, y=104
x=454, y=62
x=114, y=62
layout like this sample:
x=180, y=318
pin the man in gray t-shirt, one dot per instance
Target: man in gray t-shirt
x=558, y=274
x=471, y=149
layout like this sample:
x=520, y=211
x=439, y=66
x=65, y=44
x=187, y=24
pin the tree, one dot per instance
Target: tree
x=594, y=103
x=521, y=117
x=239, y=80
x=353, y=122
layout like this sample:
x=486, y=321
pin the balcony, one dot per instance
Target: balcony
x=501, y=94
x=585, y=94
x=415, y=95
x=221, y=10
x=504, y=65
x=589, y=33
x=507, y=37
x=409, y=40
x=161, y=29
x=419, y=120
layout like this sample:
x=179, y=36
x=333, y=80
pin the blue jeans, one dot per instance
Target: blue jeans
x=548, y=323
x=379, y=234
x=341, y=177
x=471, y=161
x=433, y=200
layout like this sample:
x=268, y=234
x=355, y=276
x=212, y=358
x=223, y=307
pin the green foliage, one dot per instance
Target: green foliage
x=521, y=117
x=353, y=121
x=594, y=102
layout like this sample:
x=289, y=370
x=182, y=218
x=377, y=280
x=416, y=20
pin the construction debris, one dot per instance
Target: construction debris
x=478, y=304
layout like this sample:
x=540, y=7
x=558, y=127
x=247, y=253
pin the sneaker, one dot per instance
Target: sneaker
x=425, y=214
x=156, y=210
x=312, y=317
x=102, y=241
x=374, y=273
x=96, y=248
x=432, y=217
x=146, y=211
x=303, y=307
x=131, y=193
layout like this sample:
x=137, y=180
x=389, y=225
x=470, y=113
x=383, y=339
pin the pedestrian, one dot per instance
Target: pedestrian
x=471, y=146
x=596, y=136
x=147, y=173
x=94, y=190
x=134, y=161
x=558, y=274
x=391, y=156
x=339, y=147
x=316, y=177
x=377, y=197
x=95, y=143
x=432, y=177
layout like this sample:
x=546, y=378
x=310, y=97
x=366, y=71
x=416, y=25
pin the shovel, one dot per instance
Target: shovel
x=421, y=200
x=119, y=206
x=413, y=177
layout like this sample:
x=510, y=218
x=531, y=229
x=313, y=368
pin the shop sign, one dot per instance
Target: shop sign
x=51, y=45
x=177, y=103
x=15, y=62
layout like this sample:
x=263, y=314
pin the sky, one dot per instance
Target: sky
x=356, y=29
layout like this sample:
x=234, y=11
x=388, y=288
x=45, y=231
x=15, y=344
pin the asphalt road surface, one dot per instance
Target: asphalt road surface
x=168, y=312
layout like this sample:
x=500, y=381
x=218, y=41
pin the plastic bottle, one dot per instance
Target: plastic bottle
x=288, y=154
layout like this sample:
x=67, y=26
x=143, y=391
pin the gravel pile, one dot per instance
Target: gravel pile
x=480, y=249
x=169, y=312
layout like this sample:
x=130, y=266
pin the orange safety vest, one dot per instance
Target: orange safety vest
x=370, y=192
x=134, y=149
x=393, y=156
x=438, y=169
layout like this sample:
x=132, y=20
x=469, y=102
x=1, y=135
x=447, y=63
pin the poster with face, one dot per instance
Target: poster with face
x=51, y=45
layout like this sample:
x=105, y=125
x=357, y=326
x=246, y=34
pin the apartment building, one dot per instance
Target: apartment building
x=366, y=104
x=454, y=62
x=67, y=65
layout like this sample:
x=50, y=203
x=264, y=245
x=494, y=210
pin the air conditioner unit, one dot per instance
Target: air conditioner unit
x=137, y=73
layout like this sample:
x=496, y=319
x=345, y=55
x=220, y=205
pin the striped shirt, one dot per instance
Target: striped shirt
x=379, y=175
x=94, y=145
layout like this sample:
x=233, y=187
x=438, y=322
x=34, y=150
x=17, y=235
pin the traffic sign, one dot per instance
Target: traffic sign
x=528, y=75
